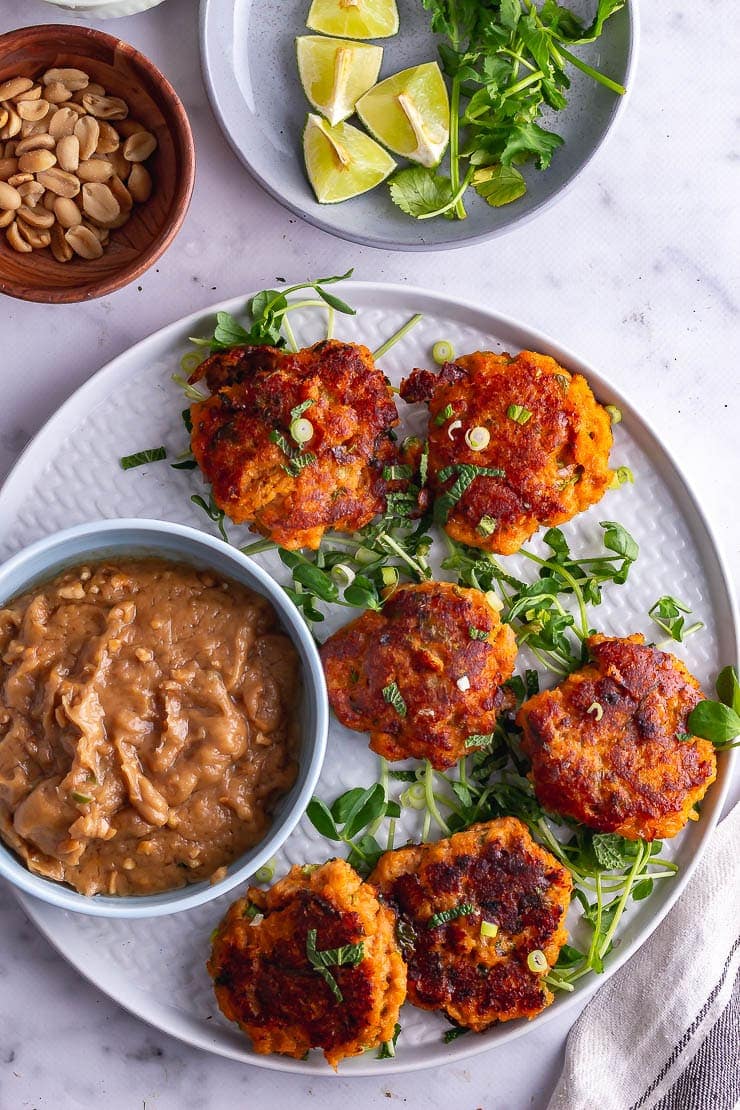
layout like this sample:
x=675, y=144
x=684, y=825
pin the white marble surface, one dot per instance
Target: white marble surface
x=636, y=269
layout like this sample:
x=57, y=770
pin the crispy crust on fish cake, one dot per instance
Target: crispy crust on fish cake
x=555, y=463
x=240, y=434
x=447, y=653
x=604, y=747
x=265, y=982
x=510, y=881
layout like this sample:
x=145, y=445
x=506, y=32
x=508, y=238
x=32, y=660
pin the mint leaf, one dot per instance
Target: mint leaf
x=418, y=191
x=499, y=185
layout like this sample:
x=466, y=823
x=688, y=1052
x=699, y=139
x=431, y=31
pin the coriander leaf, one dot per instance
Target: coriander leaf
x=509, y=13
x=393, y=696
x=419, y=191
x=153, y=454
x=714, y=721
x=529, y=140
x=499, y=185
x=444, y=916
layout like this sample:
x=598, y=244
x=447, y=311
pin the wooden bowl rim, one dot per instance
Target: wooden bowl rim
x=182, y=137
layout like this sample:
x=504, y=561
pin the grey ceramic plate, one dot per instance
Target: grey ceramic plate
x=248, y=57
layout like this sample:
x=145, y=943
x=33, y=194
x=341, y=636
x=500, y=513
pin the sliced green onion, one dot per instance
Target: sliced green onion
x=537, y=961
x=397, y=335
x=390, y=576
x=190, y=362
x=519, y=414
x=342, y=574
x=301, y=430
x=622, y=475
x=488, y=929
x=454, y=427
x=596, y=709
x=486, y=525
x=265, y=874
x=414, y=797
x=83, y=799
x=442, y=352
x=442, y=415
x=494, y=600
x=615, y=414
x=477, y=438
x=365, y=555
x=189, y=390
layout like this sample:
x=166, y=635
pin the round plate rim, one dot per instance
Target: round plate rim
x=163, y=1017
x=379, y=242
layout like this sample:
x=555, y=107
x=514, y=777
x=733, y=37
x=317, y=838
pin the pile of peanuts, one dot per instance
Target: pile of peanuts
x=71, y=164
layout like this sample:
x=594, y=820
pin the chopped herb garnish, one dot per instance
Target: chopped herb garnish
x=466, y=475
x=393, y=696
x=480, y=739
x=444, y=916
x=486, y=526
x=442, y=415
x=519, y=414
x=397, y=473
x=670, y=614
x=349, y=955
x=477, y=633
x=388, y=1049
x=299, y=463
x=280, y=441
x=684, y=737
x=83, y=799
x=298, y=410
x=154, y=454
x=453, y=1034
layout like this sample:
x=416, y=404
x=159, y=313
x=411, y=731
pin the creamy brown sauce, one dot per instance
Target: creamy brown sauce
x=148, y=725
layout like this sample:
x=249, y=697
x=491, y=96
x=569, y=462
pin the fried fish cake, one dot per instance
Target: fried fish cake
x=444, y=892
x=423, y=676
x=606, y=745
x=537, y=432
x=292, y=490
x=265, y=981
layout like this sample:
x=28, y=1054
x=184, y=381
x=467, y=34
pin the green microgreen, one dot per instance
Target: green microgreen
x=670, y=614
x=153, y=454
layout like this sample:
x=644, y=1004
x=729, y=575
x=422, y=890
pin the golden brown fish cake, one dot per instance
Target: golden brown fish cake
x=265, y=982
x=498, y=874
x=604, y=746
x=423, y=675
x=241, y=433
x=554, y=458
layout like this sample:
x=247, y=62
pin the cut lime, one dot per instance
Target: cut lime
x=410, y=113
x=336, y=72
x=354, y=19
x=342, y=161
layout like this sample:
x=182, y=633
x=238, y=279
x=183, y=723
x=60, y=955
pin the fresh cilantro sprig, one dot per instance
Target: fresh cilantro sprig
x=507, y=61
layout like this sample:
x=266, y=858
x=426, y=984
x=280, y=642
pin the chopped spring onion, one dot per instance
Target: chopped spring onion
x=537, y=961
x=442, y=415
x=154, y=454
x=342, y=574
x=414, y=796
x=615, y=414
x=251, y=911
x=444, y=916
x=365, y=555
x=301, y=430
x=442, y=352
x=494, y=600
x=488, y=929
x=477, y=633
x=189, y=390
x=82, y=799
x=477, y=438
x=190, y=362
x=265, y=874
x=622, y=475
x=390, y=576
x=454, y=427
x=486, y=525
x=597, y=709
x=463, y=683
x=519, y=414
x=393, y=696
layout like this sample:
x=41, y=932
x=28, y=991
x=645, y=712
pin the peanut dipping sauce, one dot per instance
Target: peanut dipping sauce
x=148, y=725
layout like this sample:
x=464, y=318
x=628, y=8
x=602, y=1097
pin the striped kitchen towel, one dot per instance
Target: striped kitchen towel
x=664, y=1032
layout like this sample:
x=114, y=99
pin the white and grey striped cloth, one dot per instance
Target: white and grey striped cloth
x=664, y=1032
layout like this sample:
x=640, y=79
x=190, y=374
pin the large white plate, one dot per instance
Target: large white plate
x=70, y=473
x=249, y=67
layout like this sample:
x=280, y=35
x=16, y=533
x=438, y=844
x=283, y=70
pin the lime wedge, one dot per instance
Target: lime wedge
x=342, y=161
x=354, y=19
x=410, y=113
x=336, y=72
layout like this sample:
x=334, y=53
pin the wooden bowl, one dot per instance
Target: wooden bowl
x=126, y=73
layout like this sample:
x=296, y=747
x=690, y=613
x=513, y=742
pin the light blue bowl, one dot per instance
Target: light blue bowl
x=117, y=538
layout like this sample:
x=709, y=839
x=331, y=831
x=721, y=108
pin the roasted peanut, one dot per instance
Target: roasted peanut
x=16, y=241
x=6, y=218
x=32, y=110
x=32, y=192
x=36, y=217
x=74, y=79
x=11, y=126
x=9, y=196
x=83, y=242
x=38, y=238
x=104, y=107
x=60, y=182
x=15, y=86
x=57, y=93
x=8, y=167
x=67, y=212
x=108, y=139
x=36, y=160
x=139, y=183
x=87, y=130
x=60, y=248
x=95, y=169
x=68, y=153
x=34, y=142
x=62, y=122
x=99, y=203
x=139, y=146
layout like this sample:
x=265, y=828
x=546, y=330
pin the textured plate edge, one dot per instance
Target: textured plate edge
x=414, y=245
x=485, y=319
